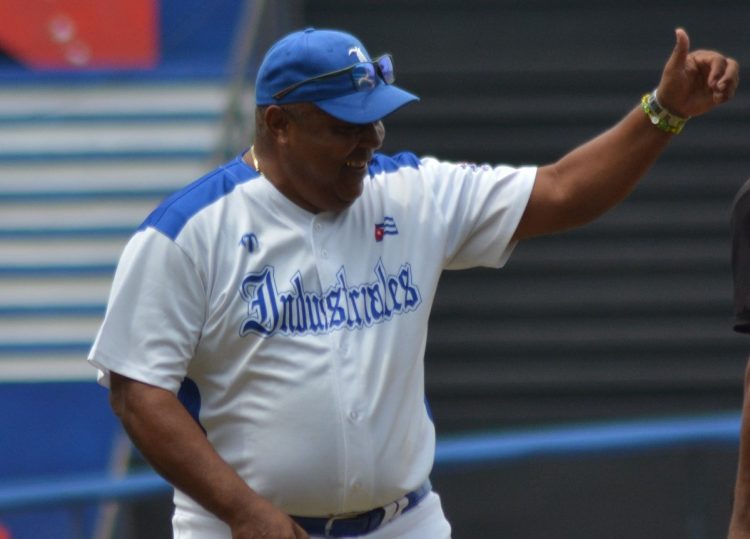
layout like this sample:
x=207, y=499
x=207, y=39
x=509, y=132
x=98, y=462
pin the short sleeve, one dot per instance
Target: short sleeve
x=154, y=316
x=481, y=207
x=740, y=222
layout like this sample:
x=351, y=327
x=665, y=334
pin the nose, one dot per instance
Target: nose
x=372, y=135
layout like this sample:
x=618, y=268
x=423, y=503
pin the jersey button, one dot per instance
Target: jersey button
x=324, y=253
x=354, y=415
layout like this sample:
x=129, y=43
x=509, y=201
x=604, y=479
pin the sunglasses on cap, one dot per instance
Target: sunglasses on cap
x=363, y=75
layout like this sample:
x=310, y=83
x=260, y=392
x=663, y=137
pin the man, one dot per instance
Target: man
x=739, y=526
x=265, y=333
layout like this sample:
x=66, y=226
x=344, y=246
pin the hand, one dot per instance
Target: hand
x=265, y=521
x=693, y=83
x=270, y=529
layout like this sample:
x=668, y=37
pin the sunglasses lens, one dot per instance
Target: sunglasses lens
x=385, y=63
x=364, y=76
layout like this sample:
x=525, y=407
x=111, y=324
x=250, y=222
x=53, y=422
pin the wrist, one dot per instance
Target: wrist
x=660, y=116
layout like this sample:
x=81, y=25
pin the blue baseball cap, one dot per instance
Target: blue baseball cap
x=310, y=53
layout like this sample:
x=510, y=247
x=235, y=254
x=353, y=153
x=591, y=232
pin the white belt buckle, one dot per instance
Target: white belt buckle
x=329, y=523
x=394, y=509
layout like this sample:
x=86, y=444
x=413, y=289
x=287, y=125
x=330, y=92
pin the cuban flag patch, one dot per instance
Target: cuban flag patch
x=388, y=226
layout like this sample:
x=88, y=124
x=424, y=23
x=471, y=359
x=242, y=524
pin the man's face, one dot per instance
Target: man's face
x=326, y=159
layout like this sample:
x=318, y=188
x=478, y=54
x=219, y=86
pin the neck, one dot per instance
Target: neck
x=254, y=159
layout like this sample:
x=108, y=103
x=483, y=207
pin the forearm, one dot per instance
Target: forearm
x=602, y=172
x=594, y=177
x=177, y=448
x=739, y=527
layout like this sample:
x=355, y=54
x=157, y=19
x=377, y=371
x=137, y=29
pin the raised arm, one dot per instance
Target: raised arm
x=177, y=448
x=600, y=173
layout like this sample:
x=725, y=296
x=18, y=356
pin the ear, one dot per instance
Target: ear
x=277, y=123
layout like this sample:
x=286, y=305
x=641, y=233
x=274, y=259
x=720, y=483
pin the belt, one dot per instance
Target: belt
x=353, y=525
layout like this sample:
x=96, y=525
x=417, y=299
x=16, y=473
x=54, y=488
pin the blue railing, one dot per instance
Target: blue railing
x=720, y=429
x=633, y=435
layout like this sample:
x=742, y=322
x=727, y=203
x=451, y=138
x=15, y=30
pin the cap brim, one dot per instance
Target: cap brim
x=367, y=107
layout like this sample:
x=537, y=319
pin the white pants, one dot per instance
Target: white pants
x=425, y=520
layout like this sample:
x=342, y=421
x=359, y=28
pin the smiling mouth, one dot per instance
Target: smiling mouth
x=356, y=164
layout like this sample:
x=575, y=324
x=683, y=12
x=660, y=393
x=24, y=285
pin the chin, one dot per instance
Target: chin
x=342, y=203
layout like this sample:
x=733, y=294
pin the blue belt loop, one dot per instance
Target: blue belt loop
x=363, y=523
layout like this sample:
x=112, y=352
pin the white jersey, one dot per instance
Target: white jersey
x=297, y=339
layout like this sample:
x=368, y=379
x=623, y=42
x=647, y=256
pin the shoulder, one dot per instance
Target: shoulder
x=175, y=211
x=381, y=163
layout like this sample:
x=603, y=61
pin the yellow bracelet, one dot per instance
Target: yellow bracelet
x=661, y=117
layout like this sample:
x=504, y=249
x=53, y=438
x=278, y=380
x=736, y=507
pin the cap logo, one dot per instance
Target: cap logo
x=364, y=79
x=360, y=55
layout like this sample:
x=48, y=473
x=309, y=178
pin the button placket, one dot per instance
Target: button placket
x=318, y=228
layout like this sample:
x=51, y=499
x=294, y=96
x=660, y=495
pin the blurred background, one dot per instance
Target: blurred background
x=589, y=389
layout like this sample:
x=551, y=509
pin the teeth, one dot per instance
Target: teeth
x=355, y=164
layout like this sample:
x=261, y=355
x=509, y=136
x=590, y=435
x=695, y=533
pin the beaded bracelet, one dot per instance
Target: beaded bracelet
x=661, y=117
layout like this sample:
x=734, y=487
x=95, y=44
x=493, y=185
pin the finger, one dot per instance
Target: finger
x=681, y=48
x=299, y=532
x=717, y=67
x=727, y=84
x=730, y=78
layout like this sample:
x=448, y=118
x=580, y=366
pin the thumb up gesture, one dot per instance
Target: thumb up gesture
x=693, y=83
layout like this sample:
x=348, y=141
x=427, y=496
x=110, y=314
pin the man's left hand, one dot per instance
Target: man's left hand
x=693, y=83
